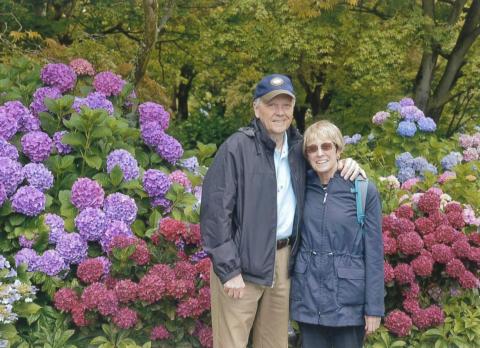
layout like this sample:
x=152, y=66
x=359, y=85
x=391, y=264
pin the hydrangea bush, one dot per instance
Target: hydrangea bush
x=103, y=212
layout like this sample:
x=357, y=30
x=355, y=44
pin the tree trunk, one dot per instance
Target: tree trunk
x=470, y=31
x=299, y=115
x=187, y=74
x=150, y=9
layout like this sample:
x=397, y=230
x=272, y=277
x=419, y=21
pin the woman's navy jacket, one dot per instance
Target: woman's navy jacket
x=338, y=275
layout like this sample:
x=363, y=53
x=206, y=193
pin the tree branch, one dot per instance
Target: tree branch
x=119, y=29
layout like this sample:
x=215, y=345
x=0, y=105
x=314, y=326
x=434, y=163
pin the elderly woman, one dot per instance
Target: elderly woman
x=338, y=257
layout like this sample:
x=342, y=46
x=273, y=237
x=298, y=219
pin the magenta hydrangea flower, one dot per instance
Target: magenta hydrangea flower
x=87, y=193
x=56, y=225
x=51, y=263
x=11, y=174
x=120, y=207
x=28, y=201
x=8, y=150
x=181, y=178
x=72, y=247
x=91, y=223
x=37, y=146
x=108, y=83
x=62, y=148
x=8, y=124
x=125, y=318
x=398, y=323
x=39, y=96
x=37, y=175
x=159, y=333
x=127, y=163
x=82, y=67
x=156, y=183
x=114, y=228
x=169, y=149
x=153, y=112
x=60, y=76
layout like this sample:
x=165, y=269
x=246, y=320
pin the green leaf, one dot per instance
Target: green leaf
x=101, y=132
x=75, y=122
x=138, y=228
x=16, y=219
x=93, y=161
x=49, y=124
x=154, y=218
x=6, y=209
x=74, y=139
x=116, y=176
x=99, y=340
x=24, y=309
x=8, y=331
x=66, y=162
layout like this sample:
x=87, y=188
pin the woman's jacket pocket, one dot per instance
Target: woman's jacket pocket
x=351, y=286
x=298, y=280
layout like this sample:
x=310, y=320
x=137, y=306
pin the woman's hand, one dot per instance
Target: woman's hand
x=371, y=324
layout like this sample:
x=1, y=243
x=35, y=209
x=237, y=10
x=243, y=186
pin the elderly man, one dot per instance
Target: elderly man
x=251, y=207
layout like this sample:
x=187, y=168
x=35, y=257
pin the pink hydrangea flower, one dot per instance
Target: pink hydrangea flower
x=398, y=322
x=82, y=67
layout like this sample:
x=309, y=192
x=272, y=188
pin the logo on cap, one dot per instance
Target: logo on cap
x=277, y=81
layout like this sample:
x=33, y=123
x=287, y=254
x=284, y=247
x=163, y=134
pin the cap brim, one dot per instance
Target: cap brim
x=270, y=95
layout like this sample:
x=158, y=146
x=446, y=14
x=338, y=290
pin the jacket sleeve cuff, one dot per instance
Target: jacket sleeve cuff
x=226, y=262
x=374, y=312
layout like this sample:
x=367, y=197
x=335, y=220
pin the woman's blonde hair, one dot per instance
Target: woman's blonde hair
x=323, y=129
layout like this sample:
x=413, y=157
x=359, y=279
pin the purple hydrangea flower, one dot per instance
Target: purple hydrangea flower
x=8, y=124
x=405, y=173
x=62, y=148
x=108, y=83
x=30, y=124
x=56, y=225
x=72, y=247
x=120, y=207
x=394, y=106
x=160, y=201
x=91, y=223
x=127, y=163
x=198, y=256
x=82, y=67
x=380, y=117
x=28, y=257
x=169, y=149
x=403, y=160
x=95, y=100
x=426, y=124
x=16, y=109
x=39, y=96
x=153, y=112
x=130, y=99
x=407, y=102
x=190, y=164
x=8, y=150
x=152, y=133
x=156, y=183
x=411, y=113
x=3, y=194
x=11, y=174
x=51, y=263
x=114, y=228
x=60, y=76
x=37, y=146
x=29, y=201
x=87, y=193
x=38, y=176
x=406, y=129
x=470, y=154
x=106, y=264
x=451, y=160
x=26, y=243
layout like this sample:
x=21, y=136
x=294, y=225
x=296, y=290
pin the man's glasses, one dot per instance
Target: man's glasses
x=314, y=147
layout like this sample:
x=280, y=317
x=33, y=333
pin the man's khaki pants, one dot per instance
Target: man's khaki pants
x=264, y=308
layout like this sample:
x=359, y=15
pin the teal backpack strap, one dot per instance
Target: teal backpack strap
x=361, y=188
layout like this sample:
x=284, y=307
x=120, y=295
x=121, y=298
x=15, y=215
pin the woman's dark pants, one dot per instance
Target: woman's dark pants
x=317, y=336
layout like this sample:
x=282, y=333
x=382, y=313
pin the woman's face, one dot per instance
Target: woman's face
x=322, y=155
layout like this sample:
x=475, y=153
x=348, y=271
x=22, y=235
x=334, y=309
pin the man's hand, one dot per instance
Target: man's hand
x=235, y=287
x=371, y=324
x=350, y=169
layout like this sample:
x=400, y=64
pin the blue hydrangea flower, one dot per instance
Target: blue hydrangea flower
x=426, y=124
x=51, y=263
x=428, y=168
x=405, y=173
x=91, y=223
x=8, y=150
x=37, y=175
x=406, y=129
x=121, y=207
x=403, y=160
x=451, y=160
x=28, y=257
x=72, y=247
x=28, y=201
x=407, y=102
x=419, y=164
x=56, y=226
x=394, y=106
x=191, y=164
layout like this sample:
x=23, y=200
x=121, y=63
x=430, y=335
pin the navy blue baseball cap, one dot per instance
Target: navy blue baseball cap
x=272, y=85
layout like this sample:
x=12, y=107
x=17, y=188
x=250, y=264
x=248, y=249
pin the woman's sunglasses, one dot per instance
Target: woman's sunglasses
x=325, y=147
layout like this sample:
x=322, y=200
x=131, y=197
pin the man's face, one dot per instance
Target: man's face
x=276, y=114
